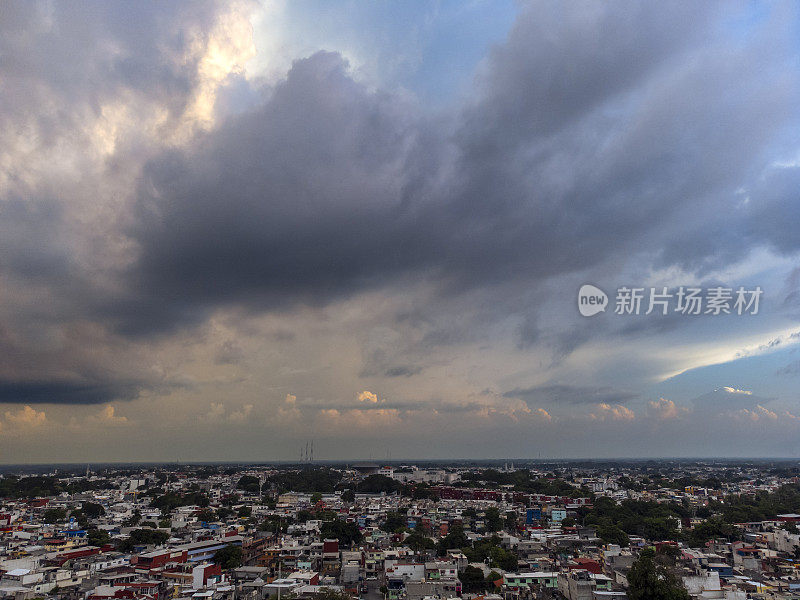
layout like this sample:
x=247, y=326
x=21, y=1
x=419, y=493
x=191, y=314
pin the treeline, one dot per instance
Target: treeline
x=169, y=501
x=326, y=481
x=525, y=481
x=12, y=486
x=652, y=520
x=306, y=481
x=655, y=521
x=142, y=537
x=759, y=506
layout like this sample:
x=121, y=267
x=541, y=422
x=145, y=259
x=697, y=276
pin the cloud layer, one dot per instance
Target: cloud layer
x=184, y=233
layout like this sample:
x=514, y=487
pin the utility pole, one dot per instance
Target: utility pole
x=279, y=577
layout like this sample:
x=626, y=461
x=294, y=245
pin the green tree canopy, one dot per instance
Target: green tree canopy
x=648, y=580
x=228, y=557
x=142, y=537
x=54, y=515
x=347, y=533
x=375, y=484
x=249, y=484
x=93, y=510
x=472, y=580
x=492, y=519
x=455, y=538
x=394, y=522
x=97, y=537
x=418, y=542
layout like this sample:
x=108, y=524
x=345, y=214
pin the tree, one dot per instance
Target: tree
x=316, y=497
x=790, y=527
x=97, y=537
x=249, y=484
x=650, y=581
x=275, y=524
x=346, y=533
x=375, y=484
x=83, y=521
x=206, y=515
x=454, y=539
x=142, y=537
x=134, y=519
x=710, y=529
x=306, y=480
x=492, y=577
x=93, y=510
x=504, y=559
x=612, y=534
x=348, y=496
x=228, y=557
x=511, y=520
x=422, y=491
x=493, y=520
x=326, y=593
x=54, y=515
x=417, y=541
x=472, y=580
x=170, y=501
x=394, y=522
x=223, y=512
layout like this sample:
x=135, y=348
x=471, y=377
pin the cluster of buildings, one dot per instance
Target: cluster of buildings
x=258, y=542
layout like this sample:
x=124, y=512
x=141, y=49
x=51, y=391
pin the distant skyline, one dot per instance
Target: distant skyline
x=227, y=228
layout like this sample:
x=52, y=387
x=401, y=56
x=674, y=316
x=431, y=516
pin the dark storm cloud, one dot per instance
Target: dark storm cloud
x=61, y=67
x=598, y=134
x=597, y=144
x=570, y=394
x=374, y=370
x=302, y=200
x=66, y=392
x=402, y=371
x=32, y=247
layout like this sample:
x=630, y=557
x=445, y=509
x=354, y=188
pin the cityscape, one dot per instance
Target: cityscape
x=580, y=530
x=399, y=300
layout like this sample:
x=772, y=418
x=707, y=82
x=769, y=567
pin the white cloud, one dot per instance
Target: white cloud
x=665, y=409
x=612, y=412
x=108, y=416
x=367, y=396
x=26, y=417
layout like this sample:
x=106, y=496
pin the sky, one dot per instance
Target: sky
x=230, y=228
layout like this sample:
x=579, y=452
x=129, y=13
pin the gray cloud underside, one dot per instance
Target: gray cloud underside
x=570, y=395
x=578, y=152
x=597, y=134
x=67, y=392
